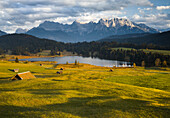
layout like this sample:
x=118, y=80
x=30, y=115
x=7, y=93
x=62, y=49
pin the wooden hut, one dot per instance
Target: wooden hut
x=16, y=70
x=24, y=75
x=59, y=72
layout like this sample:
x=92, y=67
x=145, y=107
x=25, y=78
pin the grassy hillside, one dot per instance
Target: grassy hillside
x=165, y=52
x=84, y=91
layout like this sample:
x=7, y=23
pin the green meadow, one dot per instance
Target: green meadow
x=164, y=52
x=84, y=91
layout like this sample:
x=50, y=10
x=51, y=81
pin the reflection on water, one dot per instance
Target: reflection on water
x=80, y=59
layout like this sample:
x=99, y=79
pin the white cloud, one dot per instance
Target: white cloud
x=160, y=21
x=147, y=9
x=28, y=13
x=162, y=7
x=136, y=17
x=87, y=17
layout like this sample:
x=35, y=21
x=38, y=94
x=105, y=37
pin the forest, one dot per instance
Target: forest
x=22, y=44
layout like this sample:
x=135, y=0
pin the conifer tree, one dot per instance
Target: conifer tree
x=75, y=62
x=164, y=64
x=157, y=62
x=134, y=65
x=17, y=60
x=143, y=64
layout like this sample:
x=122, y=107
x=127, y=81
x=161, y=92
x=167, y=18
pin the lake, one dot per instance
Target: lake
x=80, y=59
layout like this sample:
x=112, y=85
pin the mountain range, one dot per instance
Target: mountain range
x=12, y=41
x=79, y=32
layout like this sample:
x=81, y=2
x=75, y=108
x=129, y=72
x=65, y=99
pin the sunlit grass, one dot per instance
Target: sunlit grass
x=84, y=91
x=165, y=52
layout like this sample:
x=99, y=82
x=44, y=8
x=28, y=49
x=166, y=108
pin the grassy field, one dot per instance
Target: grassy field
x=84, y=91
x=165, y=52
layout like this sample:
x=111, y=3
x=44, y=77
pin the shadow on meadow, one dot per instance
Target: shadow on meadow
x=107, y=106
x=46, y=91
x=94, y=107
x=47, y=75
x=155, y=68
x=58, y=80
x=11, y=111
x=51, y=75
x=5, y=77
x=12, y=70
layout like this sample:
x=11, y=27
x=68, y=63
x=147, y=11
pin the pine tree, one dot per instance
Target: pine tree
x=143, y=64
x=157, y=62
x=134, y=65
x=75, y=62
x=164, y=64
x=16, y=60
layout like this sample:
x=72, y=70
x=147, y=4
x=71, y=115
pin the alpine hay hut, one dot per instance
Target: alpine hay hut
x=24, y=75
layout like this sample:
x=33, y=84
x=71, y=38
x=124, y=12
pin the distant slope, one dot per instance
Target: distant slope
x=162, y=39
x=42, y=33
x=164, y=30
x=2, y=33
x=12, y=41
x=118, y=37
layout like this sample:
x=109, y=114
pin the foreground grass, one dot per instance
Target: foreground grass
x=84, y=91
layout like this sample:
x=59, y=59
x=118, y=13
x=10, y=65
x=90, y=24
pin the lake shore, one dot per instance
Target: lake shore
x=79, y=59
x=9, y=57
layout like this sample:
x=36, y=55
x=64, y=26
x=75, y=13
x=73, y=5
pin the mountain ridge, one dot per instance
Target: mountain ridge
x=2, y=33
x=92, y=31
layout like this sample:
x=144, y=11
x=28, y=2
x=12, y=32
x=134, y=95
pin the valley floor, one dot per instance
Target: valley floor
x=84, y=91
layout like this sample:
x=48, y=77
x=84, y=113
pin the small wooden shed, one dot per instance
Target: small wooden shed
x=24, y=75
x=59, y=72
x=16, y=70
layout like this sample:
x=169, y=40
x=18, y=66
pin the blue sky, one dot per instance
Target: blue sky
x=27, y=14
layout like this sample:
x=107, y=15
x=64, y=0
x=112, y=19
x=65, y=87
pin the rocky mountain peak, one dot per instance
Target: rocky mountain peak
x=116, y=22
x=20, y=30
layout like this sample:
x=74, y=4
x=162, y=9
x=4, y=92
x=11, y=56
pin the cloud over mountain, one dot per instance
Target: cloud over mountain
x=153, y=19
x=29, y=13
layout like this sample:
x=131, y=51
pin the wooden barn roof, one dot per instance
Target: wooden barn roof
x=25, y=75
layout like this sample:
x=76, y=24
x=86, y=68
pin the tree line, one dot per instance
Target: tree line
x=104, y=51
x=26, y=45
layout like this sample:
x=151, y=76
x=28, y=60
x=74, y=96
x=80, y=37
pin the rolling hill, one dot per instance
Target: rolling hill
x=161, y=39
x=14, y=41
